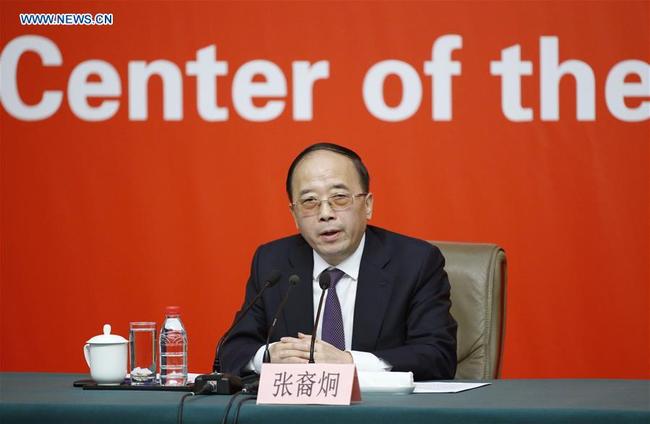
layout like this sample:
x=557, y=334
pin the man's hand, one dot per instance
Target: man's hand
x=285, y=352
x=292, y=350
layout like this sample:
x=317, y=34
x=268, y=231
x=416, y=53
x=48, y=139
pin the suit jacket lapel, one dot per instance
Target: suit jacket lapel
x=299, y=310
x=373, y=293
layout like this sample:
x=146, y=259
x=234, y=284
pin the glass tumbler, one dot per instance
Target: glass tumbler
x=142, y=352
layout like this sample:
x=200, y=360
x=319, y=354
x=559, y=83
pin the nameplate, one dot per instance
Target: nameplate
x=316, y=384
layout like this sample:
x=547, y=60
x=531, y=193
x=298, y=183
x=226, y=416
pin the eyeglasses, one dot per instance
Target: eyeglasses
x=338, y=202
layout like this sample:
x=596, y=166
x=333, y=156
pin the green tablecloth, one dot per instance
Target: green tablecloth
x=50, y=398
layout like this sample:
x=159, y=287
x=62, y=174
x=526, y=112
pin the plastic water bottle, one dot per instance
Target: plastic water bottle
x=173, y=349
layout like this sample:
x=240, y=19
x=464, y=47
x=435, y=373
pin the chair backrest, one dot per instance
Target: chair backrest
x=477, y=274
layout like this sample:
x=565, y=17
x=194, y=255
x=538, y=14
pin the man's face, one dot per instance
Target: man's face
x=334, y=235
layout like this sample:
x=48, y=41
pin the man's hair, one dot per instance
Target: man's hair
x=364, y=177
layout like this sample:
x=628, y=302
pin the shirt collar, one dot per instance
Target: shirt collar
x=350, y=265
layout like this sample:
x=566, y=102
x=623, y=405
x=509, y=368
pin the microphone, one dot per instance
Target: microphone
x=324, y=281
x=270, y=281
x=293, y=280
x=224, y=383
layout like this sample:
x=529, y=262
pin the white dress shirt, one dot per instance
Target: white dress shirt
x=346, y=289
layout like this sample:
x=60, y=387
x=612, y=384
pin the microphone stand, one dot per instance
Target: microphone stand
x=293, y=280
x=324, y=281
x=225, y=383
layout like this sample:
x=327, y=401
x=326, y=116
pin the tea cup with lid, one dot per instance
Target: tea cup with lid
x=106, y=357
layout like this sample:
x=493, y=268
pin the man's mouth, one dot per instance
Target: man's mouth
x=329, y=235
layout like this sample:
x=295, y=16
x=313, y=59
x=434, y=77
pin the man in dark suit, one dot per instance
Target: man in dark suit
x=388, y=308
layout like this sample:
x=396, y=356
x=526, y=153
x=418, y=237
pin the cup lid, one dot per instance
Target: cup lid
x=107, y=337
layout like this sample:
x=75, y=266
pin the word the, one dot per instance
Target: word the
x=511, y=69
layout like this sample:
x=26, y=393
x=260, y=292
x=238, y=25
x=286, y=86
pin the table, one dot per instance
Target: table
x=50, y=398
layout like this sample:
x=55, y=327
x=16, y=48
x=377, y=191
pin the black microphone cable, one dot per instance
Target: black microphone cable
x=246, y=391
x=202, y=391
x=179, y=416
x=250, y=386
x=224, y=420
x=241, y=402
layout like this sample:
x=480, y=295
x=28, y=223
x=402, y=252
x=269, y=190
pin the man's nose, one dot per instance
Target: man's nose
x=325, y=211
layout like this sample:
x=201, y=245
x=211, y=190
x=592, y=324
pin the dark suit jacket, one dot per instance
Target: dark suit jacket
x=401, y=313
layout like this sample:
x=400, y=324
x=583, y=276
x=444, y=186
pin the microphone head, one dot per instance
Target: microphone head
x=293, y=280
x=273, y=278
x=324, y=280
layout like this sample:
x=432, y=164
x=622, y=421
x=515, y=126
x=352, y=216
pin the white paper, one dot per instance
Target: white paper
x=445, y=386
x=386, y=382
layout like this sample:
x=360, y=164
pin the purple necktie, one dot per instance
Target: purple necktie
x=332, y=318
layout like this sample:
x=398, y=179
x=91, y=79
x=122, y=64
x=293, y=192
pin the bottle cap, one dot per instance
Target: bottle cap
x=172, y=310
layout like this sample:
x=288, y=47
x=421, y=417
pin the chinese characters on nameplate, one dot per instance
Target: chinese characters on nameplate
x=322, y=384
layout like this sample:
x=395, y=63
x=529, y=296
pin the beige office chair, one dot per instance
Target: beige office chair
x=477, y=274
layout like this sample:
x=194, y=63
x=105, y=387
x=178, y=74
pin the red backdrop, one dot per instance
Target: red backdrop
x=111, y=220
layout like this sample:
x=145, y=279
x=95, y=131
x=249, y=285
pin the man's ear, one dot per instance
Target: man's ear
x=369, y=203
